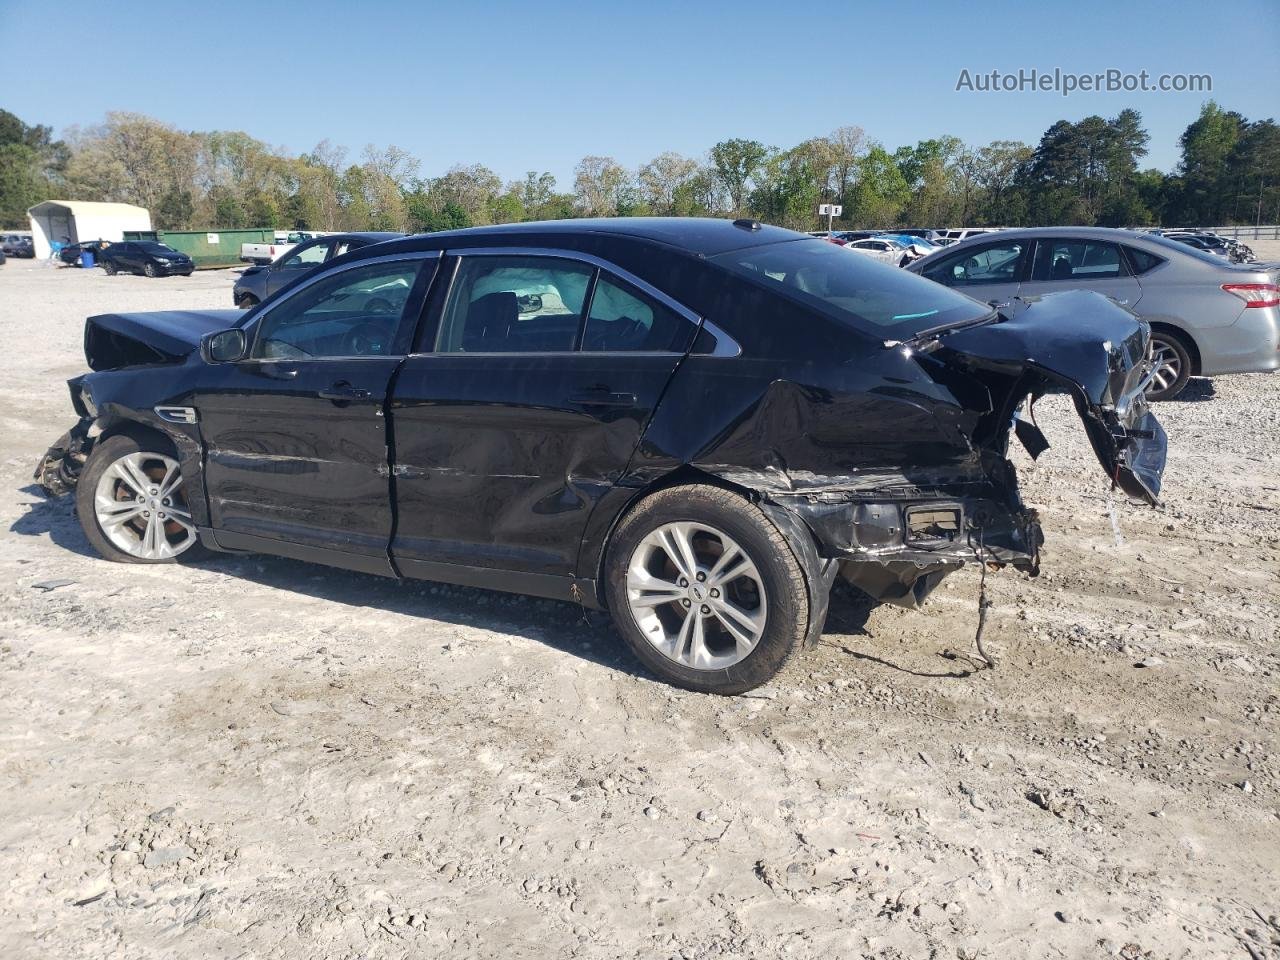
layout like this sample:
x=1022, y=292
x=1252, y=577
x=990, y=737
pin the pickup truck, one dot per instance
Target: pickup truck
x=268, y=252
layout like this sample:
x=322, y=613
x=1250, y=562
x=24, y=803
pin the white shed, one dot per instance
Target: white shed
x=83, y=220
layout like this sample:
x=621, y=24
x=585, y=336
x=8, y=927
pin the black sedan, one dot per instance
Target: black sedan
x=147, y=257
x=259, y=282
x=696, y=424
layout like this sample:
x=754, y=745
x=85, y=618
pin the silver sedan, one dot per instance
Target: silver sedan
x=1207, y=317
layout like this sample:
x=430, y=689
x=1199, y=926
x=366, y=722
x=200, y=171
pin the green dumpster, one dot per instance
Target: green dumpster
x=206, y=248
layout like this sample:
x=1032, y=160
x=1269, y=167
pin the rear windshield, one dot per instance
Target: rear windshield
x=1188, y=249
x=873, y=297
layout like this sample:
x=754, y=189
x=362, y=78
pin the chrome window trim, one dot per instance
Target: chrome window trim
x=249, y=326
x=725, y=347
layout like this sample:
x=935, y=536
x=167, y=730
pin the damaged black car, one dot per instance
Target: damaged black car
x=695, y=424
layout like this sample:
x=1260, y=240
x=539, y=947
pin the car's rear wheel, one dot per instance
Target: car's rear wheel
x=705, y=590
x=1172, y=364
x=132, y=504
x=109, y=268
x=149, y=269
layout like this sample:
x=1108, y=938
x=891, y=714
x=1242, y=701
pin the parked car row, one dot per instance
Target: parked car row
x=147, y=257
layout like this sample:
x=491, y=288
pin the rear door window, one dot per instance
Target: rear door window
x=1077, y=260
x=623, y=319
x=514, y=304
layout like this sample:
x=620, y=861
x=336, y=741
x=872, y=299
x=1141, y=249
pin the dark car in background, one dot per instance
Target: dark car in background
x=17, y=245
x=259, y=282
x=148, y=257
x=696, y=424
x=71, y=253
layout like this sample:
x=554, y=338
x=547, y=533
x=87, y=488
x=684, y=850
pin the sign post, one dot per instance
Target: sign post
x=831, y=210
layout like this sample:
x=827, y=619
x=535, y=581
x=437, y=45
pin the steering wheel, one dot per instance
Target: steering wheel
x=366, y=340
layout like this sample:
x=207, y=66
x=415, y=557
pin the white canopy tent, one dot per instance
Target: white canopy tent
x=79, y=220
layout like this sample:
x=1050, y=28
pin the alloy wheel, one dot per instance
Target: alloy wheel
x=1166, y=363
x=696, y=595
x=141, y=508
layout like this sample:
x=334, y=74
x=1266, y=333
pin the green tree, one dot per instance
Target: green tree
x=735, y=162
x=880, y=193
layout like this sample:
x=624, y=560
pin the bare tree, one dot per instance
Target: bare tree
x=662, y=178
x=598, y=183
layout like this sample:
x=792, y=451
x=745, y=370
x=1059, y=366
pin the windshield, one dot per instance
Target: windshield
x=150, y=246
x=870, y=296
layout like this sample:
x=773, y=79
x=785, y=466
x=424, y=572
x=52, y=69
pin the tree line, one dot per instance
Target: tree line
x=1087, y=172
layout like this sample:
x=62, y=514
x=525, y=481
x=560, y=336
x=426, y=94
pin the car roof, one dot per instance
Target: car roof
x=701, y=236
x=375, y=235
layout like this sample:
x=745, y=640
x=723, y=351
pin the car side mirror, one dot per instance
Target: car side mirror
x=225, y=346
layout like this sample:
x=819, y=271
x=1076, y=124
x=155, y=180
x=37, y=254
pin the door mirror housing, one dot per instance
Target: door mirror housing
x=224, y=346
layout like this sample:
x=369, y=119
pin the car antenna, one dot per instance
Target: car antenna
x=747, y=224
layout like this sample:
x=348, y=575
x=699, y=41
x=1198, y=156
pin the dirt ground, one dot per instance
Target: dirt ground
x=254, y=757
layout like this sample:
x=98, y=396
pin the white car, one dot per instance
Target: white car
x=886, y=251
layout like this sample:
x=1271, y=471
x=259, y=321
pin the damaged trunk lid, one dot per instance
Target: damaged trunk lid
x=1092, y=348
x=114, y=340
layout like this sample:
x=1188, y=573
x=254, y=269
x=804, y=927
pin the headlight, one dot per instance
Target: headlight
x=162, y=260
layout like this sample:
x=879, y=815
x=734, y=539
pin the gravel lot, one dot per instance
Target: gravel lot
x=256, y=757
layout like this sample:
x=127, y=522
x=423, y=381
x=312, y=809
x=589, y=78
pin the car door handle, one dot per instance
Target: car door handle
x=343, y=390
x=602, y=397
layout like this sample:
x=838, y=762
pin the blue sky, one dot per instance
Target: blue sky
x=537, y=85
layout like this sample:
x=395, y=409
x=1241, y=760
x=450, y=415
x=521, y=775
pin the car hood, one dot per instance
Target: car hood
x=1092, y=348
x=114, y=340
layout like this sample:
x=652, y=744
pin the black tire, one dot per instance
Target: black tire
x=788, y=609
x=247, y=301
x=100, y=459
x=149, y=269
x=1177, y=348
x=108, y=268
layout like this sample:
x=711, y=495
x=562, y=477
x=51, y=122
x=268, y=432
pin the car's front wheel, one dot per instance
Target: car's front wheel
x=109, y=268
x=705, y=590
x=149, y=269
x=1172, y=364
x=132, y=504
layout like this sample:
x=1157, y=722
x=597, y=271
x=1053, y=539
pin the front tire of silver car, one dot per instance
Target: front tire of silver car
x=132, y=504
x=1172, y=362
x=705, y=590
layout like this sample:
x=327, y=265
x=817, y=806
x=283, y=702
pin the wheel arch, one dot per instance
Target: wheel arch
x=1184, y=337
x=819, y=573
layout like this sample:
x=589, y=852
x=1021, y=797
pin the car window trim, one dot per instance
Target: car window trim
x=412, y=307
x=725, y=347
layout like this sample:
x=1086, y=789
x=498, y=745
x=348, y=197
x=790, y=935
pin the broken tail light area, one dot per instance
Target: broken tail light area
x=898, y=551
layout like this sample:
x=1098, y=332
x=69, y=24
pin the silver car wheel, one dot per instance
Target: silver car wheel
x=140, y=507
x=696, y=595
x=1166, y=363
